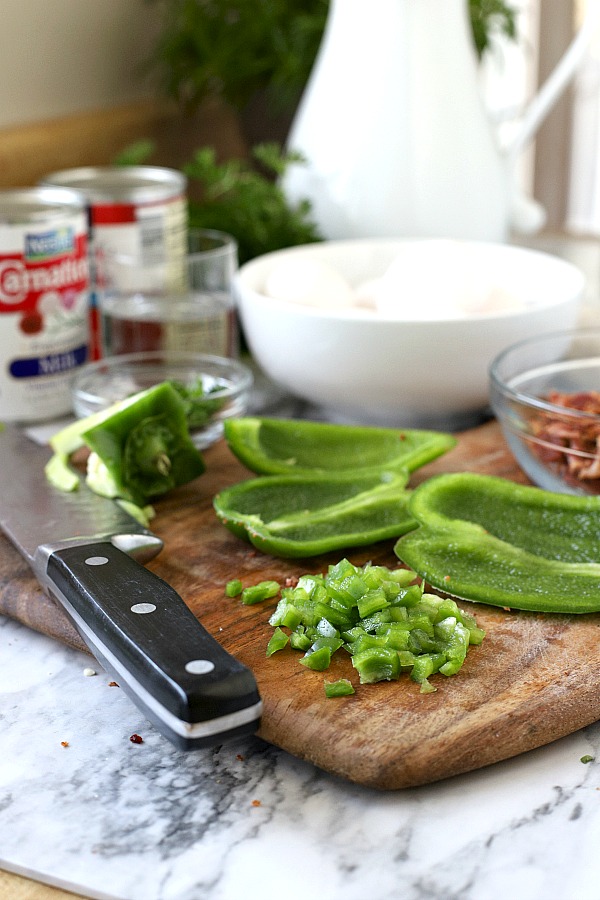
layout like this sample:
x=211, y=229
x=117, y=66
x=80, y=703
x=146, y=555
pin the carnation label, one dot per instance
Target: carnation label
x=44, y=301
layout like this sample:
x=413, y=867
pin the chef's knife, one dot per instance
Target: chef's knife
x=88, y=555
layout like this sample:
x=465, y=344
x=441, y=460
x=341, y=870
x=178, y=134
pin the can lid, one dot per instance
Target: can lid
x=125, y=184
x=20, y=206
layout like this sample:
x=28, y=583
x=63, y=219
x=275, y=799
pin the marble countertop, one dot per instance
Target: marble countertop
x=85, y=809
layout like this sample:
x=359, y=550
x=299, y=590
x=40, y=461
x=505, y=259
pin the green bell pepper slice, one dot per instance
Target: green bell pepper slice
x=294, y=516
x=288, y=446
x=489, y=540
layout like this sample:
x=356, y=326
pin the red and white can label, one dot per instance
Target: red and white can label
x=44, y=315
x=154, y=233
x=151, y=231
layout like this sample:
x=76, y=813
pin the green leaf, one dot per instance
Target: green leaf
x=489, y=17
x=135, y=154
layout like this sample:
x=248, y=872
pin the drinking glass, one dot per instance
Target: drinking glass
x=185, y=304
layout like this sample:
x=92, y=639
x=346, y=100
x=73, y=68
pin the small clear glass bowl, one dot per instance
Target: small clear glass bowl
x=545, y=393
x=226, y=385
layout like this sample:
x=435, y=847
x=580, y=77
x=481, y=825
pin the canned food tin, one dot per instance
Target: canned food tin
x=44, y=301
x=140, y=211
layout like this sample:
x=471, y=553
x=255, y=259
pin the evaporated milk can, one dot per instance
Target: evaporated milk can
x=136, y=211
x=44, y=301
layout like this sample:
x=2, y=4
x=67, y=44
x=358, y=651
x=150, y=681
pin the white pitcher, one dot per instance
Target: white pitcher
x=394, y=131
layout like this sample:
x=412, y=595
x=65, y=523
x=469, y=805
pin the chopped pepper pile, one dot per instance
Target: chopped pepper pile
x=378, y=615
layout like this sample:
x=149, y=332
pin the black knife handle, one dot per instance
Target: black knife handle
x=140, y=628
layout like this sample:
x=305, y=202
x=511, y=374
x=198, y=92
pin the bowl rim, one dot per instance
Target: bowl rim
x=536, y=403
x=241, y=375
x=362, y=314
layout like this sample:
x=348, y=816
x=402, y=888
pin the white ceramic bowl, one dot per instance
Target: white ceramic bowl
x=415, y=362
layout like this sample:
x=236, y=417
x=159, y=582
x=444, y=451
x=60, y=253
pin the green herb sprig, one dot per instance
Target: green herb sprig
x=236, y=48
x=490, y=17
x=243, y=198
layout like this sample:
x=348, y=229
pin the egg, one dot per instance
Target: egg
x=439, y=279
x=366, y=294
x=424, y=281
x=311, y=282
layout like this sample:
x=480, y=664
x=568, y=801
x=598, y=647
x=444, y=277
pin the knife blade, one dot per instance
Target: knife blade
x=88, y=555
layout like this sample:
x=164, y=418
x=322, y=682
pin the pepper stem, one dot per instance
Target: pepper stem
x=163, y=464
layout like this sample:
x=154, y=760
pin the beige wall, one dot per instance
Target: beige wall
x=72, y=92
x=61, y=57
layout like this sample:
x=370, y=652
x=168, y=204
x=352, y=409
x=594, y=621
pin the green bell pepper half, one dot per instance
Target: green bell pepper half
x=302, y=516
x=489, y=540
x=146, y=445
x=289, y=446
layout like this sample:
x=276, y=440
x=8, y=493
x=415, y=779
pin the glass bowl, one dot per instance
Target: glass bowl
x=225, y=386
x=545, y=393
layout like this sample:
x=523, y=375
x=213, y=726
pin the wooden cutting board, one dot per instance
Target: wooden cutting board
x=534, y=679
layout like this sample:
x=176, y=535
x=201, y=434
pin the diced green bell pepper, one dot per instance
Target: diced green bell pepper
x=233, y=588
x=318, y=659
x=489, y=540
x=382, y=645
x=279, y=639
x=299, y=640
x=340, y=688
x=264, y=590
x=376, y=664
x=301, y=516
x=288, y=446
